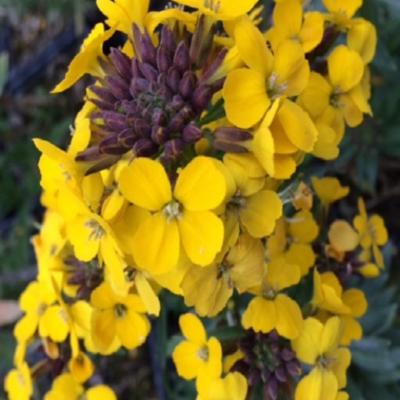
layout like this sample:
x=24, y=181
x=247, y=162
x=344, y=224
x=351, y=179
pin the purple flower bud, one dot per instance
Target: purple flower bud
x=119, y=88
x=287, y=354
x=280, y=374
x=122, y=63
x=273, y=388
x=164, y=61
x=135, y=68
x=167, y=40
x=159, y=134
x=232, y=135
x=111, y=145
x=202, y=42
x=229, y=147
x=159, y=117
x=107, y=67
x=148, y=71
x=145, y=148
x=192, y=133
x=187, y=113
x=187, y=84
x=142, y=127
x=128, y=137
x=144, y=46
x=173, y=149
x=293, y=367
x=129, y=107
x=201, y=98
x=139, y=85
x=176, y=124
x=102, y=104
x=265, y=375
x=177, y=102
x=103, y=94
x=182, y=58
x=213, y=68
x=173, y=79
x=253, y=377
x=112, y=119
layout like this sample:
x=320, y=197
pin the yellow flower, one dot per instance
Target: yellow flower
x=362, y=38
x=372, y=232
x=180, y=218
x=118, y=319
x=342, y=238
x=232, y=387
x=342, y=11
x=18, y=383
x=302, y=198
x=89, y=234
x=34, y=301
x=81, y=367
x=196, y=356
x=341, y=95
x=255, y=209
x=248, y=92
x=329, y=190
x=273, y=310
x=302, y=227
x=221, y=10
x=209, y=288
x=318, y=345
x=289, y=23
x=65, y=387
x=86, y=62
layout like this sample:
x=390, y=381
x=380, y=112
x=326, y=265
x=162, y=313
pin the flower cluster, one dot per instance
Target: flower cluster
x=181, y=176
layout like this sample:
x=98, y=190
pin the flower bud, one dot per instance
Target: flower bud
x=148, y=71
x=280, y=374
x=173, y=79
x=173, y=150
x=142, y=127
x=202, y=42
x=159, y=134
x=182, y=58
x=118, y=86
x=187, y=85
x=144, y=148
x=122, y=63
x=128, y=137
x=192, y=133
x=201, y=98
x=111, y=145
x=164, y=61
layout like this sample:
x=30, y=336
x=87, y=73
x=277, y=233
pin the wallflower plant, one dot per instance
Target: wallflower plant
x=182, y=178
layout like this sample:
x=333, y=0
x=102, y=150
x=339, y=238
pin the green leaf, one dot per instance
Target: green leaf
x=228, y=333
x=4, y=60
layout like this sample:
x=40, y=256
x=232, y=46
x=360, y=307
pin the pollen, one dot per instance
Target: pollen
x=172, y=211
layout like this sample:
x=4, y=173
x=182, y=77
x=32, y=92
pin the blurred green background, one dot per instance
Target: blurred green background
x=38, y=38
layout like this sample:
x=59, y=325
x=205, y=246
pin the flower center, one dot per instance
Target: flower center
x=120, y=310
x=275, y=90
x=172, y=211
x=269, y=292
x=97, y=231
x=203, y=353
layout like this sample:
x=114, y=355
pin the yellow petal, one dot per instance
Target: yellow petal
x=362, y=38
x=298, y=126
x=147, y=294
x=288, y=17
x=81, y=367
x=306, y=345
x=326, y=145
x=260, y=315
x=132, y=329
x=284, y=167
x=342, y=236
x=291, y=67
x=246, y=99
x=352, y=330
x=261, y=212
x=345, y=67
x=161, y=240
x=100, y=392
x=193, y=329
x=200, y=185
x=355, y=299
x=202, y=235
x=289, y=322
x=104, y=328
x=331, y=335
x=145, y=183
x=329, y=189
x=340, y=362
x=319, y=384
x=281, y=275
x=186, y=360
x=252, y=47
x=312, y=31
